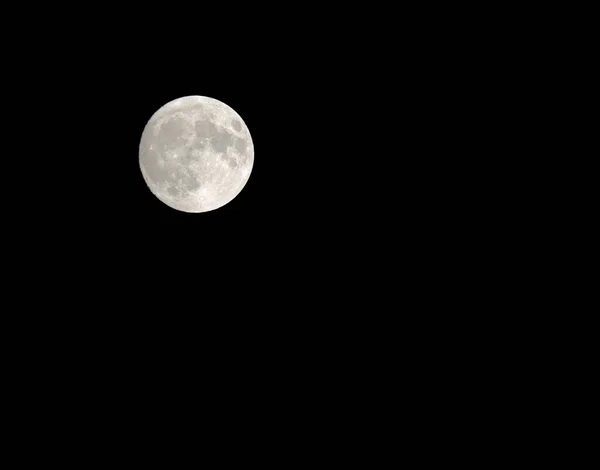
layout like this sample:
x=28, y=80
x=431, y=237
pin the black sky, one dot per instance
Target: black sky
x=344, y=123
x=366, y=206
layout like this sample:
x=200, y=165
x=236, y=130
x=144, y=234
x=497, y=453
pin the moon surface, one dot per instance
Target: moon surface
x=196, y=154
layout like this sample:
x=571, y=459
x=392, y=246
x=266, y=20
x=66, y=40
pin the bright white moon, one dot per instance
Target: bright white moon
x=196, y=154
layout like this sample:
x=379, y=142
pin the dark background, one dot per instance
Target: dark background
x=315, y=103
x=366, y=129
x=353, y=257
x=364, y=274
x=347, y=116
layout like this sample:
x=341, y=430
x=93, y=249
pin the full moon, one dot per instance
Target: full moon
x=196, y=154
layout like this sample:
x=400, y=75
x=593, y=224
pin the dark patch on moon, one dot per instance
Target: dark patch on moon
x=221, y=141
x=231, y=161
x=236, y=125
x=205, y=129
x=170, y=133
x=240, y=146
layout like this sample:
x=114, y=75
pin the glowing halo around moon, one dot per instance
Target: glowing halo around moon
x=196, y=154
